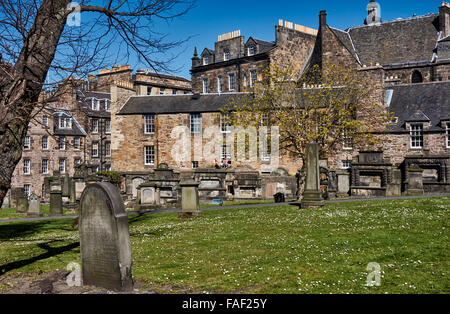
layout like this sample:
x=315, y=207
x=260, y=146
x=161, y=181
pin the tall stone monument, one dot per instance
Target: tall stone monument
x=56, y=206
x=190, y=202
x=312, y=196
x=104, y=238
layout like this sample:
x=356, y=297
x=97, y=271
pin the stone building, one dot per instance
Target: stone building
x=146, y=130
x=83, y=110
x=235, y=64
x=409, y=59
x=55, y=141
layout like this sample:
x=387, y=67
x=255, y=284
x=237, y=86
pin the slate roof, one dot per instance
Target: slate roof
x=398, y=41
x=264, y=46
x=87, y=105
x=420, y=103
x=76, y=129
x=172, y=104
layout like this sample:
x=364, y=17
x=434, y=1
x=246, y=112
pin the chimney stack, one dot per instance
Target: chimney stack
x=322, y=18
x=444, y=19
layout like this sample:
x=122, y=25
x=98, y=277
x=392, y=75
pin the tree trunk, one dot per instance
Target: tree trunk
x=21, y=91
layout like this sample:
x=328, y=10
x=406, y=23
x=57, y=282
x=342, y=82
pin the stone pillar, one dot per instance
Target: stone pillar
x=343, y=179
x=312, y=196
x=34, y=208
x=56, y=207
x=415, y=181
x=190, y=203
x=105, y=238
x=73, y=196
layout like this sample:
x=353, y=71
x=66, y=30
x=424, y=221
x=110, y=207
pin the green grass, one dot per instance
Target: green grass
x=235, y=203
x=265, y=250
x=10, y=213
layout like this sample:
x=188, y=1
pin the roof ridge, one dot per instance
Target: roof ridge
x=396, y=20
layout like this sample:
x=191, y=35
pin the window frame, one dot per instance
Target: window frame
x=27, y=143
x=253, y=77
x=220, y=84
x=231, y=79
x=108, y=123
x=77, y=143
x=416, y=136
x=94, y=126
x=46, y=164
x=62, y=165
x=97, y=151
x=447, y=134
x=226, y=55
x=225, y=124
x=149, y=124
x=205, y=82
x=62, y=143
x=27, y=189
x=195, y=120
x=45, y=140
x=27, y=166
x=149, y=155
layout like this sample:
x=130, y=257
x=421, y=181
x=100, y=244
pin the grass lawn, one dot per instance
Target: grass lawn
x=265, y=250
x=10, y=213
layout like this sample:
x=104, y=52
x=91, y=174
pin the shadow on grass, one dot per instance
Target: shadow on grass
x=18, y=230
x=51, y=251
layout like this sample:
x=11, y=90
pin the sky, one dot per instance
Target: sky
x=210, y=18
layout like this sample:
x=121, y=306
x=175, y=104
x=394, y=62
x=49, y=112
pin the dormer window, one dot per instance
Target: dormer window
x=251, y=50
x=205, y=60
x=65, y=122
x=416, y=135
x=226, y=55
x=107, y=105
x=95, y=104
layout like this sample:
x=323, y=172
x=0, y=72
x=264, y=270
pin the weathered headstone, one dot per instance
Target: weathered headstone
x=312, y=196
x=22, y=204
x=415, y=181
x=104, y=238
x=66, y=186
x=190, y=202
x=343, y=180
x=56, y=207
x=34, y=207
x=148, y=193
x=395, y=187
x=73, y=196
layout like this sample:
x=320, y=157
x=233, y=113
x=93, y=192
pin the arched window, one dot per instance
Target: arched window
x=416, y=77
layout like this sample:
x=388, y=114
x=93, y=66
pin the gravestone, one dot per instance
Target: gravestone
x=312, y=196
x=22, y=204
x=148, y=193
x=395, y=187
x=343, y=180
x=415, y=181
x=34, y=207
x=190, y=202
x=56, y=206
x=105, y=239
